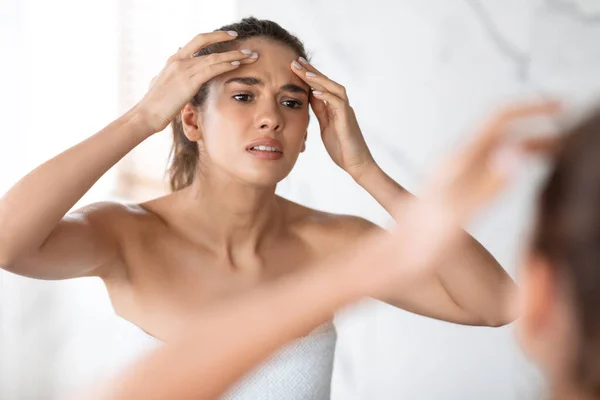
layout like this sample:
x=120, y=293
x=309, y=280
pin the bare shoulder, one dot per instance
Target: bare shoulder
x=117, y=222
x=105, y=209
x=328, y=230
x=108, y=213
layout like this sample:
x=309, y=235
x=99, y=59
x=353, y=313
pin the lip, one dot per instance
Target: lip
x=266, y=155
x=266, y=142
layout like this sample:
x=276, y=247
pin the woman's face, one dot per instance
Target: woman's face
x=254, y=122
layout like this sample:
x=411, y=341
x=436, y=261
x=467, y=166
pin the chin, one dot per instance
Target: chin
x=260, y=173
x=263, y=178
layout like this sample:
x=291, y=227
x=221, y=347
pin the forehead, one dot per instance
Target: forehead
x=273, y=65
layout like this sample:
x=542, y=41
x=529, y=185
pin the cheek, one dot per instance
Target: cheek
x=303, y=118
x=296, y=126
x=224, y=127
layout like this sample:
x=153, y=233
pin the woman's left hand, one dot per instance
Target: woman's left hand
x=339, y=128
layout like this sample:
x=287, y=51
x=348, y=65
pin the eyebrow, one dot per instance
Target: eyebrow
x=252, y=81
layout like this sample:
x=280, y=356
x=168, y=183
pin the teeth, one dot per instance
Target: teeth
x=265, y=148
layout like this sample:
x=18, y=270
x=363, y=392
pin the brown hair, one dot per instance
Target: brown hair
x=568, y=235
x=184, y=153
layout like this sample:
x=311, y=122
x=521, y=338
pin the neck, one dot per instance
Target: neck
x=236, y=217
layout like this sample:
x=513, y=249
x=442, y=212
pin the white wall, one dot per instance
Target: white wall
x=421, y=75
x=61, y=80
x=58, y=75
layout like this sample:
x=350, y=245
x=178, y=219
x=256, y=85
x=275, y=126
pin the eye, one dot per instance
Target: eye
x=243, y=97
x=292, y=103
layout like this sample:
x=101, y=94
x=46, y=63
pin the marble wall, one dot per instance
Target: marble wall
x=421, y=76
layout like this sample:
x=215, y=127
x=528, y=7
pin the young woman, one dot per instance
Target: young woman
x=210, y=354
x=238, y=99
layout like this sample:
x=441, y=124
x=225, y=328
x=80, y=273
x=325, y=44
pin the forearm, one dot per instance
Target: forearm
x=30, y=210
x=227, y=340
x=382, y=188
x=471, y=276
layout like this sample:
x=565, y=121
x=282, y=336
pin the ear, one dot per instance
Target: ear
x=190, y=122
x=304, y=143
x=539, y=295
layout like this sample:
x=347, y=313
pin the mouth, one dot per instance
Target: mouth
x=270, y=149
x=266, y=148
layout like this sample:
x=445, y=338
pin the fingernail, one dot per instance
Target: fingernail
x=254, y=55
x=311, y=74
x=232, y=33
x=246, y=51
x=235, y=63
x=296, y=64
x=303, y=60
x=317, y=93
x=507, y=160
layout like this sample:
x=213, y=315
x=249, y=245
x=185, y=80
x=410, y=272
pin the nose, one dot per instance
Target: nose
x=268, y=117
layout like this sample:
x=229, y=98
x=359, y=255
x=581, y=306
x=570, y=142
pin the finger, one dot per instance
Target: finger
x=488, y=163
x=313, y=77
x=301, y=73
x=497, y=129
x=332, y=100
x=542, y=145
x=246, y=56
x=206, y=68
x=203, y=73
x=500, y=168
x=499, y=125
x=480, y=185
x=320, y=109
x=203, y=40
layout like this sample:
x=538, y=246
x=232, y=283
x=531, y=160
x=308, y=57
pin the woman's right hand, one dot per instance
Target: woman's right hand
x=184, y=74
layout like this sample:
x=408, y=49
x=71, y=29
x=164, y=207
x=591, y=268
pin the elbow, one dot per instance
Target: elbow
x=5, y=261
x=509, y=306
x=505, y=310
x=8, y=255
x=497, y=323
x=7, y=251
x=8, y=264
x=9, y=260
x=13, y=254
x=506, y=315
x=508, y=318
x=487, y=321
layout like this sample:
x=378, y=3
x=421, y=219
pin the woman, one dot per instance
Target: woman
x=239, y=99
x=276, y=312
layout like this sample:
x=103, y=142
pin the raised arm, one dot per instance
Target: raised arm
x=37, y=238
x=470, y=287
